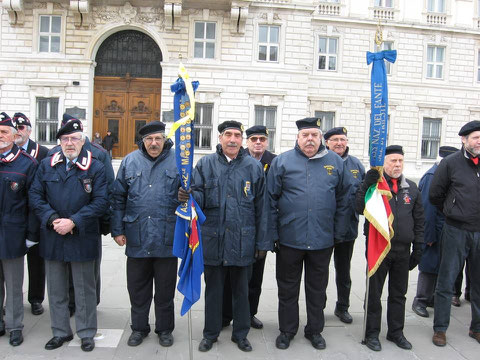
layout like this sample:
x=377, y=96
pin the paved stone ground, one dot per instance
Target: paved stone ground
x=343, y=341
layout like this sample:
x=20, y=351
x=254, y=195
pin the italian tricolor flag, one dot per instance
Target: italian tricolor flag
x=378, y=213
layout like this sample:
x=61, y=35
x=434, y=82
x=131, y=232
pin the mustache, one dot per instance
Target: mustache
x=232, y=144
x=312, y=143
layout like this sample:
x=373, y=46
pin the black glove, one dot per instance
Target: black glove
x=371, y=177
x=276, y=247
x=260, y=254
x=51, y=219
x=183, y=195
x=415, y=257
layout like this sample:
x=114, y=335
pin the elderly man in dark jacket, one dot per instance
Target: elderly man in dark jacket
x=337, y=141
x=408, y=225
x=144, y=203
x=308, y=194
x=17, y=170
x=229, y=186
x=69, y=194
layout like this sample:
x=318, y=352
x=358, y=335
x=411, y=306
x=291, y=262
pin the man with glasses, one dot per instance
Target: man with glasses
x=337, y=141
x=144, y=204
x=257, y=144
x=36, y=265
x=17, y=170
x=69, y=195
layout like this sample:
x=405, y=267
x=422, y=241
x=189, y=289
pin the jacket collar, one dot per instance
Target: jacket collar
x=32, y=148
x=402, y=183
x=322, y=151
x=241, y=153
x=12, y=155
x=83, y=162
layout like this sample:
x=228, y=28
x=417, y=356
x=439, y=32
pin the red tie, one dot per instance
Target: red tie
x=475, y=160
x=394, y=185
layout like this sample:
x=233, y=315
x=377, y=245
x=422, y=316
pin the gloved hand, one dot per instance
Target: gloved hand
x=183, y=195
x=276, y=247
x=260, y=254
x=51, y=219
x=371, y=177
x=415, y=257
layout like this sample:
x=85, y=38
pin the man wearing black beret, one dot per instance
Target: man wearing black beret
x=408, y=225
x=229, y=186
x=337, y=141
x=69, y=195
x=144, y=204
x=308, y=202
x=455, y=190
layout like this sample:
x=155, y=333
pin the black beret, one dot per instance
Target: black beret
x=335, y=131
x=230, y=124
x=66, y=118
x=469, y=127
x=21, y=119
x=257, y=130
x=152, y=128
x=308, y=123
x=394, y=149
x=5, y=120
x=70, y=127
x=444, y=151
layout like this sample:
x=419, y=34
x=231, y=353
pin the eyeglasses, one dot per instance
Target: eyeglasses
x=338, y=140
x=73, y=140
x=258, y=138
x=149, y=140
x=21, y=127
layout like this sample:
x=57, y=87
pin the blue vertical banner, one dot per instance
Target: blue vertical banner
x=187, y=242
x=379, y=106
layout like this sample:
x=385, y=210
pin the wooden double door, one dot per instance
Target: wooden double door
x=123, y=106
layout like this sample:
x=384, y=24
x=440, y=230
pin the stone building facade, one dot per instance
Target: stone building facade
x=257, y=61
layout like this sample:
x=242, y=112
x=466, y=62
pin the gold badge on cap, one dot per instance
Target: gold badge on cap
x=242, y=128
x=319, y=122
x=344, y=130
x=266, y=131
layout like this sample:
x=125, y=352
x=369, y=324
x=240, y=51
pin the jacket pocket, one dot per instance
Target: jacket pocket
x=171, y=183
x=211, y=193
x=210, y=243
x=133, y=180
x=132, y=229
x=248, y=242
x=286, y=219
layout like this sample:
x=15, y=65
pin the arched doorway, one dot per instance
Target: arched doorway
x=128, y=83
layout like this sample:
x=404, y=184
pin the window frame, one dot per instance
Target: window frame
x=204, y=40
x=272, y=131
x=434, y=8
x=381, y=4
x=388, y=64
x=322, y=115
x=198, y=124
x=268, y=43
x=430, y=139
x=434, y=63
x=37, y=13
x=49, y=34
x=327, y=53
x=50, y=134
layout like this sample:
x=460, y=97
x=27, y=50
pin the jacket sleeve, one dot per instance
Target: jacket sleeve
x=38, y=198
x=119, y=200
x=33, y=223
x=197, y=185
x=360, y=198
x=262, y=242
x=418, y=221
x=439, y=186
x=274, y=190
x=343, y=195
x=430, y=211
x=98, y=203
x=109, y=174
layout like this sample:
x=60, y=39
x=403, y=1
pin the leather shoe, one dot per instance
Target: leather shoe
x=474, y=335
x=400, y=341
x=165, y=338
x=283, y=341
x=344, y=316
x=317, y=340
x=206, y=344
x=420, y=311
x=88, y=344
x=243, y=344
x=136, y=338
x=37, y=308
x=456, y=301
x=439, y=338
x=255, y=323
x=373, y=343
x=2, y=332
x=57, y=341
x=225, y=323
x=16, y=337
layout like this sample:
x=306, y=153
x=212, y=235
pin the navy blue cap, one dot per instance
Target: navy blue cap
x=394, y=149
x=308, y=123
x=257, y=130
x=66, y=118
x=5, y=120
x=230, y=124
x=20, y=119
x=152, y=128
x=70, y=127
x=469, y=127
x=444, y=151
x=335, y=131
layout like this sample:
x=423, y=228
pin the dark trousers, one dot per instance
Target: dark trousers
x=395, y=265
x=342, y=257
x=459, y=281
x=214, y=285
x=36, y=275
x=142, y=275
x=254, y=291
x=457, y=246
x=290, y=263
x=425, y=289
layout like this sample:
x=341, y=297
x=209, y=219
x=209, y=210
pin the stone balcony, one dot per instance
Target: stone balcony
x=328, y=8
x=436, y=18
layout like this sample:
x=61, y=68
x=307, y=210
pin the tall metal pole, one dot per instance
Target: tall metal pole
x=365, y=307
x=190, y=342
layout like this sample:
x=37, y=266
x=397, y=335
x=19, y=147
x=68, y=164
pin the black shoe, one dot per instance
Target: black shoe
x=57, y=341
x=255, y=323
x=225, y=323
x=283, y=341
x=206, y=344
x=136, y=338
x=467, y=296
x=317, y=340
x=71, y=309
x=16, y=337
x=373, y=344
x=456, y=301
x=420, y=311
x=344, y=316
x=37, y=308
x=2, y=332
x=88, y=344
x=165, y=338
x=400, y=341
x=243, y=344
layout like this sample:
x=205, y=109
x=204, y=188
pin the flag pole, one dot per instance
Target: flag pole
x=365, y=307
x=190, y=342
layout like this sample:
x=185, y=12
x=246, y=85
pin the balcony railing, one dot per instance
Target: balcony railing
x=437, y=18
x=384, y=13
x=328, y=8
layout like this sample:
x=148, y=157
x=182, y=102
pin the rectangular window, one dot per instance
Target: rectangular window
x=437, y=6
x=384, y=3
x=327, y=53
x=49, y=34
x=47, y=120
x=267, y=116
x=432, y=128
x=268, y=43
x=435, y=60
x=204, y=45
x=386, y=45
x=327, y=118
x=203, y=126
